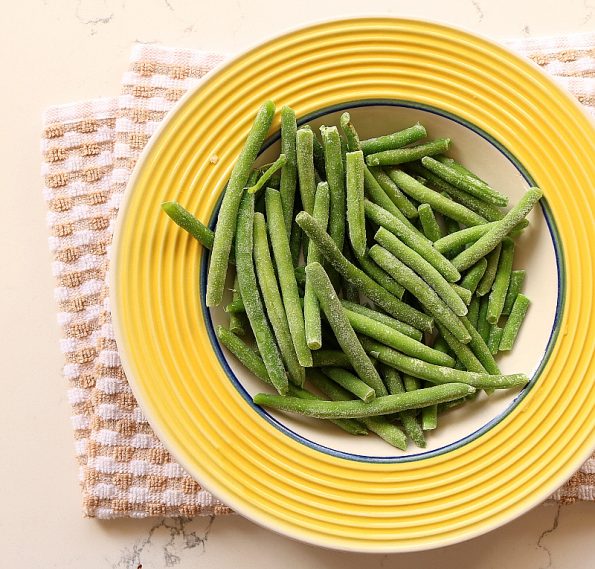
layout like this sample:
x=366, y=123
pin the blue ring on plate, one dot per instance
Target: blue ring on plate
x=561, y=275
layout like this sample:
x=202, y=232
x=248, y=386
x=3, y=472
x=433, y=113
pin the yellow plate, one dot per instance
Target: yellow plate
x=164, y=338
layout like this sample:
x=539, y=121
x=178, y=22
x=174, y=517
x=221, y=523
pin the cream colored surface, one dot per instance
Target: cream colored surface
x=54, y=51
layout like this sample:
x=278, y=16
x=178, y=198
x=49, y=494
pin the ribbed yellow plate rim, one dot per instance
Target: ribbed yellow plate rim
x=168, y=358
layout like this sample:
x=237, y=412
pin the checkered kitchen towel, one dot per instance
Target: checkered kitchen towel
x=89, y=150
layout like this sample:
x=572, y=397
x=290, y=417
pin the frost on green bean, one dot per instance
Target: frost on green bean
x=483, y=326
x=350, y=133
x=440, y=374
x=350, y=382
x=288, y=184
x=420, y=290
x=286, y=275
x=413, y=239
x=488, y=242
x=335, y=175
x=501, y=282
x=380, y=276
x=268, y=173
x=394, y=193
x=494, y=339
x=487, y=280
x=464, y=293
x=384, y=405
x=409, y=154
x=251, y=297
x=228, y=213
x=305, y=167
x=423, y=269
x=335, y=315
x=429, y=224
x=462, y=351
x=514, y=322
x=393, y=140
x=265, y=272
x=516, y=283
x=189, y=223
x=464, y=182
x=474, y=275
x=333, y=358
x=238, y=323
x=361, y=280
x=479, y=347
x=356, y=219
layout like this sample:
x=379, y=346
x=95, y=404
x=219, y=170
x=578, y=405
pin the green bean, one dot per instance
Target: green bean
x=479, y=347
x=421, y=290
x=383, y=319
x=350, y=382
x=318, y=151
x=412, y=239
x=438, y=202
x=394, y=140
x=286, y=275
x=483, y=326
x=395, y=339
x=330, y=358
x=440, y=374
x=305, y=167
x=350, y=133
x=516, y=283
x=380, y=276
x=494, y=339
x=409, y=154
x=300, y=276
x=236, y=306
x=463, y=351
x=485, y=284
x=473, y=313
x=267, y=174
x=363, y=282
x=350, y=292
x=356, y=219
x=458, y=239
x=311, y=307
x=464, y=182
x=501, y=282
x=474, y=275
x=289, y=171
x=237, y=321
x=451, y=226
x=228, y=213
x=377, y=195
x=514, y=322
x=384, y=405
x=336, y=180
x=423, y=269
x=265, y=272
x=498, y=232
x=429, y=224
x=295, y=244
x=411, y=426
x=485, y=210
x=251, y=297
x=189, y=223
x=411, y=383
x=458, y=167
x=378, y=425
x=335, y=314
x=394, y=193
x=464, y=294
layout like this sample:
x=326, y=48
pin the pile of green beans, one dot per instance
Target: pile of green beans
x=374, y=279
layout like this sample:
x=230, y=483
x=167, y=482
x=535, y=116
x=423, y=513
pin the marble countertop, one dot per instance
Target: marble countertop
x=55, y=51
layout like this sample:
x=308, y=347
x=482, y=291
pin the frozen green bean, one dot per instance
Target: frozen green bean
x=438, y=202
x=238, y=323
x=411, y=383
x=473, y=313
x=295, y=244
x=286, y=275
x=487, y=280
x=394, y=193
x=236, y=306
x=267, y=174
x=464, y=182
x=265, y=272
x=332, y=358
x=421, y=290
x=488, y=242
x=479, y=347
x=335, y=174
x=483, y=326
x=474, y=275
x=305, y=167
x=501, y=282
x=336, y=317
x=423, y=269
x=350, y=292
x=413, y=239
x=228, y=213
x=363, y=282
x=380, y=276
x=463, y=351
x=189, y=223
x=311, y=308
x=395, y=339
x=249, y=292
x=384, y=319
x=440, y=374
x=494, y=339
x=409, y=154
x=288, y=184
x=350, y=382
x=516, y=283
x=356, y=219
x=464, y=294
x=514, y=322
x=350, y=133
x=384, y=405
x=429, y=224
x=395, y=140
x=458, y=167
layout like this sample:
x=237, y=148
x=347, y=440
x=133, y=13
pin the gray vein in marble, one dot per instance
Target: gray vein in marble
x=178, y=537
x=90, y=21
x=547, y=532
x=169, y=5
x=478, y=9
